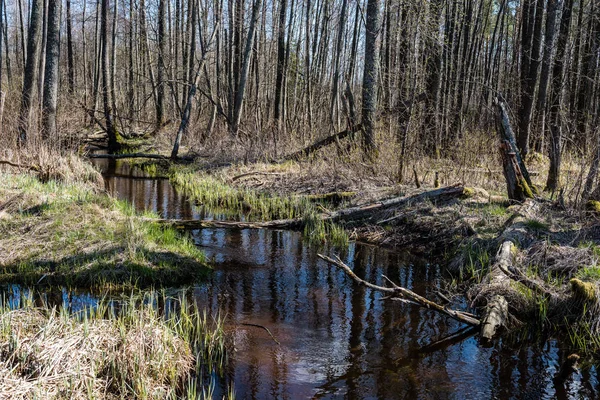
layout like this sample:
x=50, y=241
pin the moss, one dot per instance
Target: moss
x=593, y=205
x=536, y=225
x=585, y=291
x=525, y=189
x=468, y=192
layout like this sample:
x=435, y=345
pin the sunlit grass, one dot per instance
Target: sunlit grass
x=61, y=233
x=116, y=349
x=220, y=198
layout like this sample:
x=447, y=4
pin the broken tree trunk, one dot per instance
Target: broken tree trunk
x=320, y=144
x=398, y=293
x=503, y=270
x=518, y=182
x=496, y=312
x=347, y=214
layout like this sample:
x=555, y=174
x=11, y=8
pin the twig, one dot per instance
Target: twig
x=263, y=327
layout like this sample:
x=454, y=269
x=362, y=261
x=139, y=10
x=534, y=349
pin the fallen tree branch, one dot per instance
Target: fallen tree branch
x=235, y=178
x=200, y=224
x=405, y=295
x=262, y=327
x=132, y=155
x=320, y=144
x=359, y=212
x=34, y=168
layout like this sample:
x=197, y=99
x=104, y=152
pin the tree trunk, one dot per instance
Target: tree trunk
x=70, y=55
x=533, y=11
x=107, y=94
x=280, y=59
x=556, y=97
x=549, y=35
x=51, y=77
x=33, y=46
x=369, y=89
x=518, y=183
x=162, y=50
x=241, y=89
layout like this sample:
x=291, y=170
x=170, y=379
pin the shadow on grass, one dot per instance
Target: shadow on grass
x=113, y=267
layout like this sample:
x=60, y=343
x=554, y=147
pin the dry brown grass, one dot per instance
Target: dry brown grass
x=51, y=355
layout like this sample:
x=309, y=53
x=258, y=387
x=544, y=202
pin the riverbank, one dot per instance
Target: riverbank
x=114, y=350
x=551, y=279
x=69, y=233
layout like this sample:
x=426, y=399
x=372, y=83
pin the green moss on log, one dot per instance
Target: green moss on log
x=468, y=192
x=583, y=290
x=525, y=189
x=593, y=205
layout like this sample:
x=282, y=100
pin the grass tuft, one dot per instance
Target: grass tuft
x=112, y=351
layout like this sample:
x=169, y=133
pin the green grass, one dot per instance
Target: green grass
x=233, y=203
x=123, y=349
x=66, y=234
x=536, y=225
x=589, y=274
x=477, y=263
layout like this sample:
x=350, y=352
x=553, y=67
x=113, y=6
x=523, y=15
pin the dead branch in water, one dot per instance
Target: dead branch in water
x=398, y=293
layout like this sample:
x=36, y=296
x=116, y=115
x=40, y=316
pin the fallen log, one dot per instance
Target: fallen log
x=496, y=311
x=359, y=212
x=131, y=155
x=503, y=271
x=398, y=293
x=347, y=214
x=320, y=144
x=190, y=224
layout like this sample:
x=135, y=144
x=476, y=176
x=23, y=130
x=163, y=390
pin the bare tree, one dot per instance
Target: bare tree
x=369, y=89
x=107, y=93
x=33, y=46
x=51, y=77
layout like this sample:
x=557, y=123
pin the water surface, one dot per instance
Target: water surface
x=339, y=340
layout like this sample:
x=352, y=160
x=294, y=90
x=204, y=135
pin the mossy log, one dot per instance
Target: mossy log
x=496, y=311
x=503, y=270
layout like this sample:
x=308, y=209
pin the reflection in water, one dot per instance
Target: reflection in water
x=339, y=340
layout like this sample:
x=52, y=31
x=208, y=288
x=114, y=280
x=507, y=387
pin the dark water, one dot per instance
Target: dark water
x=339, y=340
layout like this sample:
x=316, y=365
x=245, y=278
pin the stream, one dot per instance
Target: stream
x=339, y=340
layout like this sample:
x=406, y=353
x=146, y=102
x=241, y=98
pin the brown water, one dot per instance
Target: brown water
x=338, y=340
